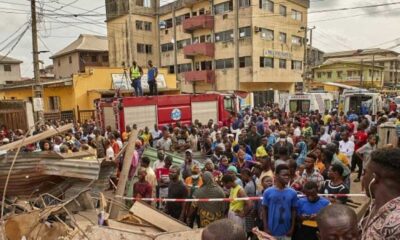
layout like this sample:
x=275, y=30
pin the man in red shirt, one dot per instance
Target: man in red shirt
x=162, y=175
x=142, y=188
x=360, y=138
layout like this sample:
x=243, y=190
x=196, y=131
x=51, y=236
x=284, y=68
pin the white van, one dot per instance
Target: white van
x=307, y=102
x=361, y=101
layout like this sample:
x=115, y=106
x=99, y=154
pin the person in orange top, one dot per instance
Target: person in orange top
x=192, y=183
x=114, y=144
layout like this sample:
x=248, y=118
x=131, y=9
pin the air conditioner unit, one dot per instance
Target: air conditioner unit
x=257, y=29
x=242, y=34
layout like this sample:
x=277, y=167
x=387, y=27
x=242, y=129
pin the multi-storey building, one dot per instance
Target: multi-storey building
x=389, y=60
x=86, y=51
x=10, y=69
x=249, y=45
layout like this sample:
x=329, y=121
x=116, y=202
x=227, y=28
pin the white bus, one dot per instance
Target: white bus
x=307, y=102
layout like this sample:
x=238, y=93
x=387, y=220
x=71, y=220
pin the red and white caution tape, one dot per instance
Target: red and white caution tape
x=224, y=199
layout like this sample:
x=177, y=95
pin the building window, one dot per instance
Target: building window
x=167, y=47
x=319, y=75
x=7, y=68
x=147, y=26
x=147, y=3
x=94, y=58
x=140, y=3
x=202, y=66
x=70, y=59
x=187, y=67
x=267, y=34
x=282, y=10
x=139, y=25
x=54, y=103
x=339, y=74
x=267, y=5
x=179, y=19
x=144, y=48
x=168, y=23
x=223, y=7
x=296, y=40
x=171, y=69
x=282, y=37
x=329, y=74
x=245, y=62
x=202, y=11
x=224, y=36
x=282, y=63
x=244, y=3
x=182, y=43
x=201, y=39
x=104, y=58
x=296, y=15
x=266, y=62
x=224, y=63
x=244, y=32
x=297, y=65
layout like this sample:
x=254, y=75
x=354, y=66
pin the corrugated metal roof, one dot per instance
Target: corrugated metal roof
x=85, y=42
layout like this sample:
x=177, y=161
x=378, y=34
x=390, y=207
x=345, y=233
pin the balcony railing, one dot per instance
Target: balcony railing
x=204, y=49
x=207, y=76
x=198, y=22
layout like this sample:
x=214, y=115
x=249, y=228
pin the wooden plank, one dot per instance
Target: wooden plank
x=150, y=231
x=123, y=177
x=35, y=138
x=185, y=235
x=105, y=233
x=157, y=218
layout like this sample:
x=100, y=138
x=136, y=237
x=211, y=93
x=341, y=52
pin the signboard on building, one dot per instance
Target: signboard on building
x=278, y=54
x=38, y=104
x=121, y=81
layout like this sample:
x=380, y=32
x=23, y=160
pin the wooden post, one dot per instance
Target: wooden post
x=123, y=177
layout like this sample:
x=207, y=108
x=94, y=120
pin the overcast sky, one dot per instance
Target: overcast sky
x=335, y=31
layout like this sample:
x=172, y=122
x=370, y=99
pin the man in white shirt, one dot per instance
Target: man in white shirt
x=155, y=134
x=324, y=135
x=346, y=146
x=297, y=130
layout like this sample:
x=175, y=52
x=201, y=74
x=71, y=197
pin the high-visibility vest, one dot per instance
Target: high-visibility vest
x=135, y=73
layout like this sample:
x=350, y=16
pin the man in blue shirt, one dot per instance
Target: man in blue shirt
x=151, y=78
x=307, y=209
x=279, y=206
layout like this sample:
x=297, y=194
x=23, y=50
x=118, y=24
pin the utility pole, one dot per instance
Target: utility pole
x=129, y=35
x=373, y=69
x=38, y=88
x=361, y=73
x=396, y=76
x=306, y=70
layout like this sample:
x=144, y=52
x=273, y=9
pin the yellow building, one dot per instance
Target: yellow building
x=354, y=74
x=222, y=45
x=68, y=98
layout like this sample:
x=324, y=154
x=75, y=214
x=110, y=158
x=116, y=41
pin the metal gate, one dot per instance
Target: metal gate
x=85, y=115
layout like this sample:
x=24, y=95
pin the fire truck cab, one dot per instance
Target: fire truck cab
x=166, y=109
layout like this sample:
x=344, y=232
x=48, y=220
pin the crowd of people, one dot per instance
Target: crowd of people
x=262, y=153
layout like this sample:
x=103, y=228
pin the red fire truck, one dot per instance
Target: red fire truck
x=166, y=109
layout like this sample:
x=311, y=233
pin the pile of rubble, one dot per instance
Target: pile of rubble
x=62, y=196
x=87, y=217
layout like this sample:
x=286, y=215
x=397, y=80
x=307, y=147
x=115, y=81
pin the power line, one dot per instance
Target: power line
x=352, y=8
x=15, y=32
x=16, y=43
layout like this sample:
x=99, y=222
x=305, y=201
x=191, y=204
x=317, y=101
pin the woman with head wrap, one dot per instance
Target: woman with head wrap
x=301, y=149
x=208, y=211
